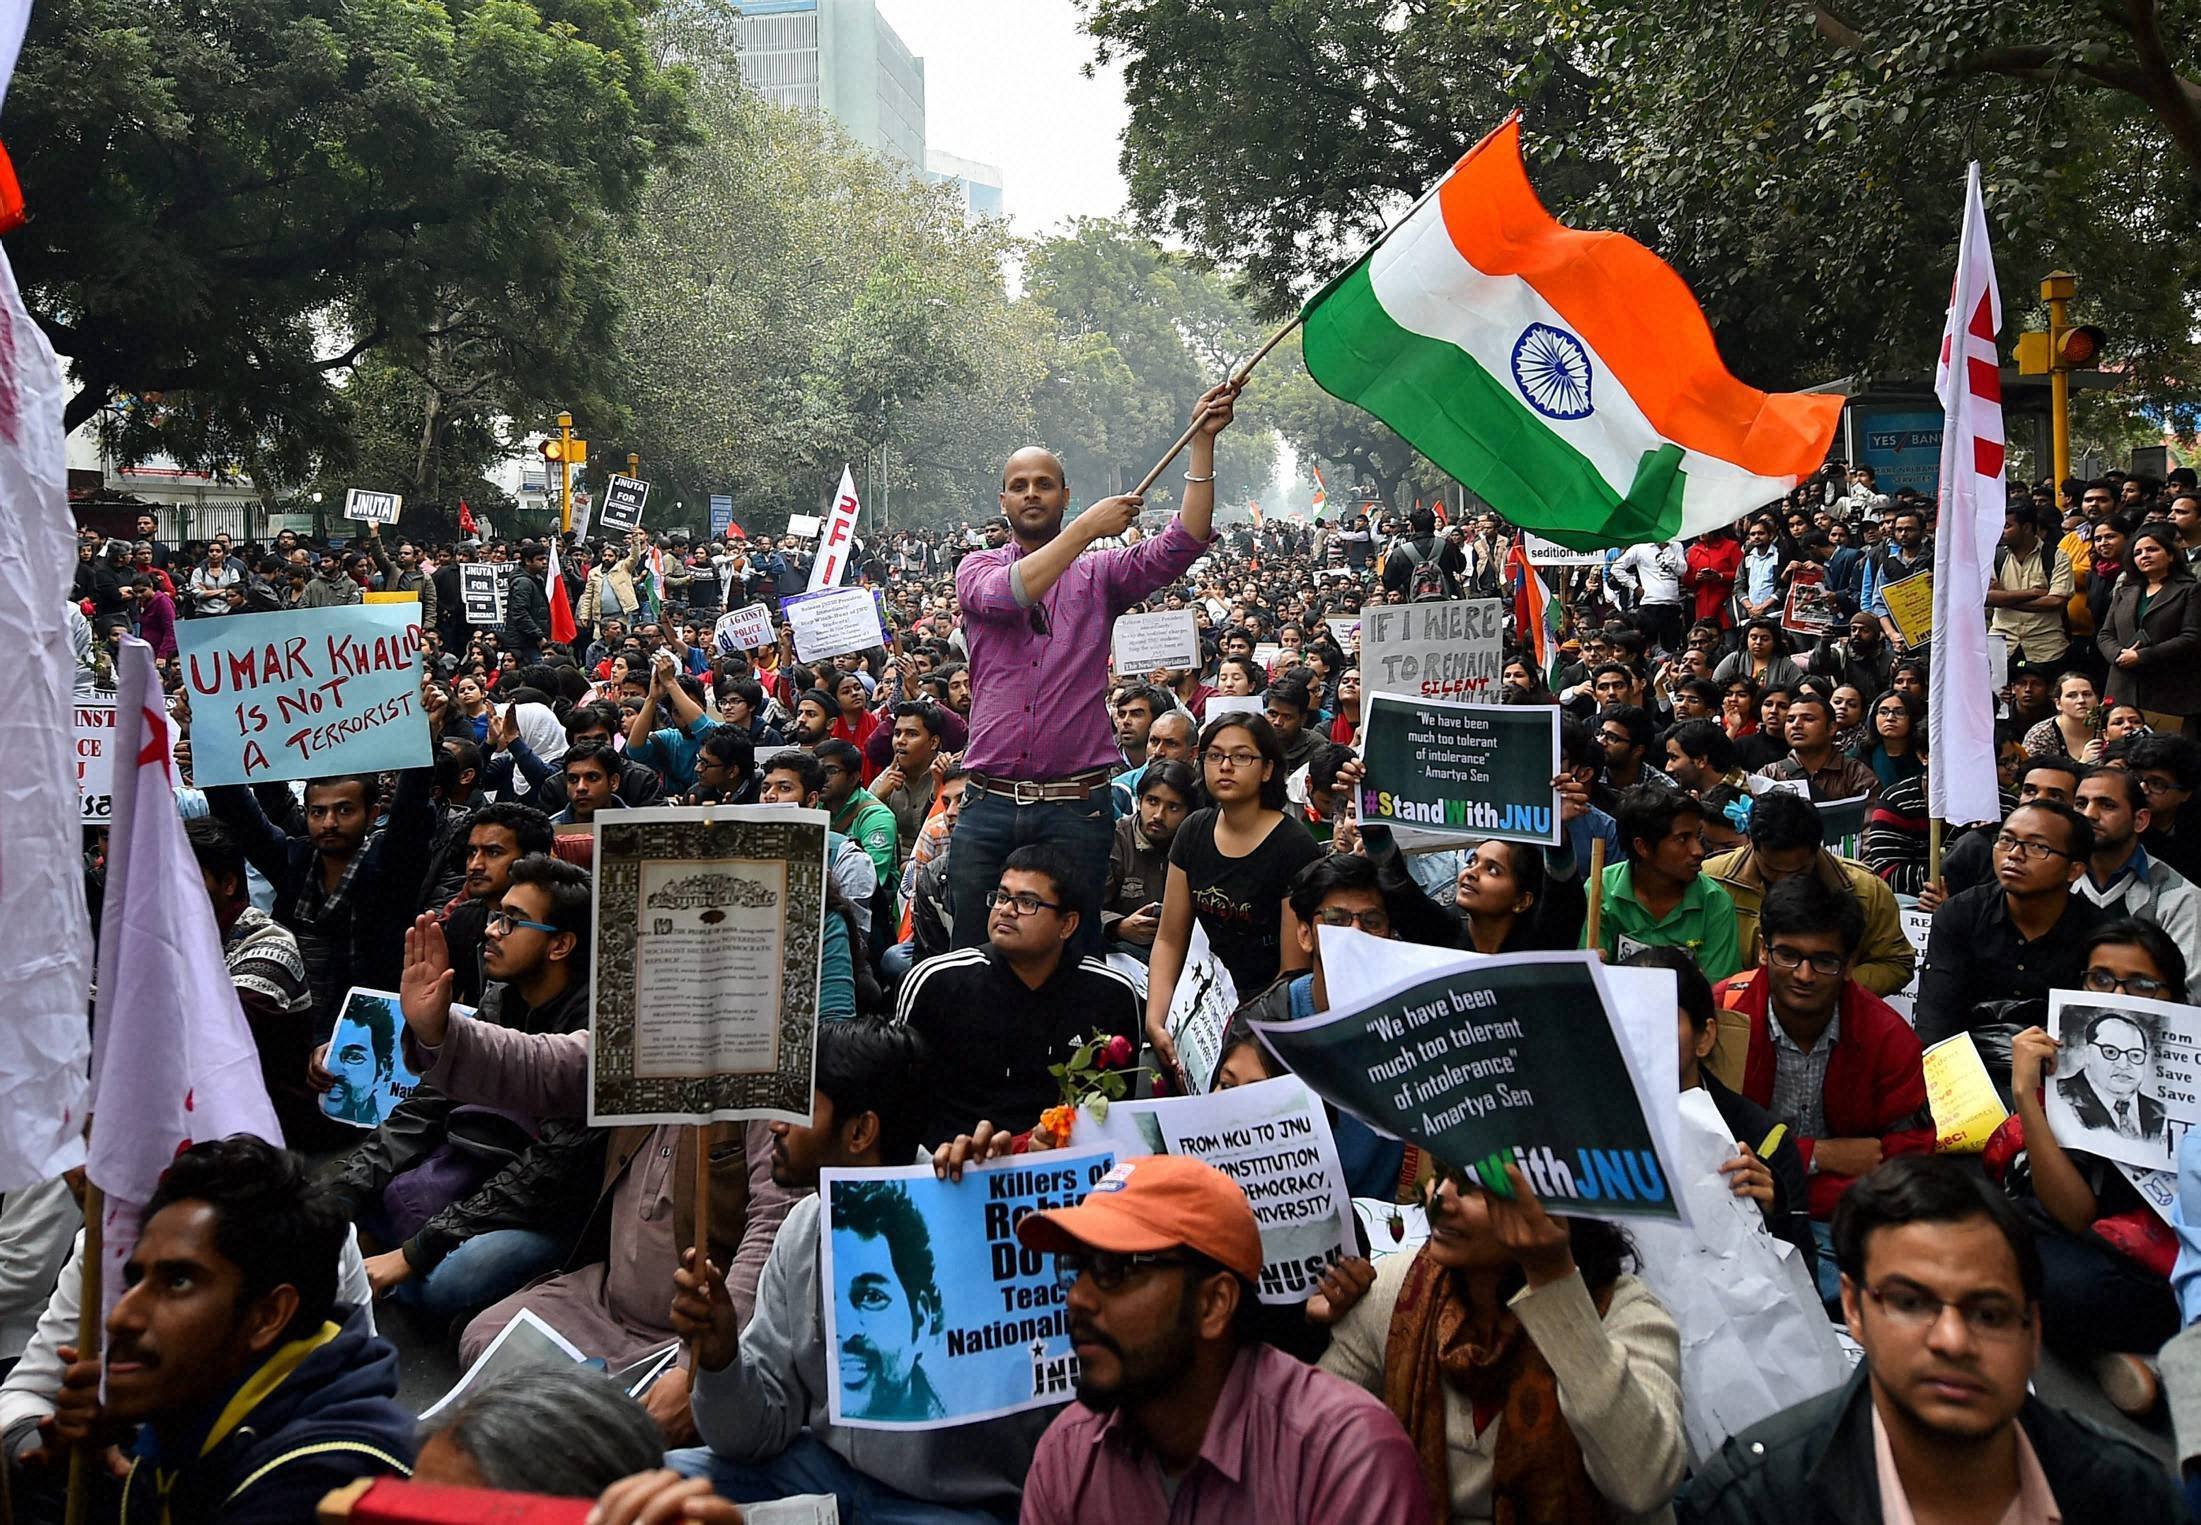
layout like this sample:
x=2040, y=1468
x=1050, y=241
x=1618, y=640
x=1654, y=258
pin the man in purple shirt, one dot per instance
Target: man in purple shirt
x=1038, y=616
x=1179, y=1415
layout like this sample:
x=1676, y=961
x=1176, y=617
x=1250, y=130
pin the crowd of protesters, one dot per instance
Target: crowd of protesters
x=1022, y=844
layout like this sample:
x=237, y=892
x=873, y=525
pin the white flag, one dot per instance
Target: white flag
x=173, y=1063
x=1961, y=784
x=834, y=540
x=46, y=959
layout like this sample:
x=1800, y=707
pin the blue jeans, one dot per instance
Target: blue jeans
x=991, y=827
x=810, y=1466
x=1830, y=1274
x=485, y=1269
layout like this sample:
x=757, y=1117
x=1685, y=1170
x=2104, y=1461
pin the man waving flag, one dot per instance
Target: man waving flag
x=1568, y=378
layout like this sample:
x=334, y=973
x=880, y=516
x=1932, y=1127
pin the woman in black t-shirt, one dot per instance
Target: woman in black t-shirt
x=1229, y=868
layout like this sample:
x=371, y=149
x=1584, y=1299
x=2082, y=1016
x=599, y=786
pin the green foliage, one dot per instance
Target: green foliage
x=1802, y=166
x=232, y=203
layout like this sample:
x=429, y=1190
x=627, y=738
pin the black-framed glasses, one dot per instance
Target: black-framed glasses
x=1988, y=1316
x=1785, y=957
x=1022, y=904
x=505, y=921
x=1109, y=1269
x=2106, y=981
x=2033, y=851
x=2137, y=1054
x=1376, y=923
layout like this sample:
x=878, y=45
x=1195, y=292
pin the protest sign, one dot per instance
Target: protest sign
x=803, y=526
x=1966, y=1110
x=1514, y=1059
x=1266, y=654
x=1550, y=553
x=1451, y=650
x=2157, y=1188
x=1346, y=630
x=624, y=499
x=1199, y=1011
x=1466, y=771
x=743, y=629
x=95, y=762
x=481, y=592
x=2127, y=1083
x=829, y=622
x=722, y=514
x=583, y=505
x=1273, y=1138
x=1910, y=602
x=372, y=507
x=1841, y=822
x=367, y=1056
x=1143, y=642
x=525, y=1344
x=1219, y=705
x=937, y=1315
x=305, y=693
x=1812, y=607
x=1754, y=1336
x=402, y=596
x=709, y=926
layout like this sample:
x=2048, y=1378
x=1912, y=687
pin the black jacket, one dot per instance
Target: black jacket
x=334, y=1417
x=526, y=611
x=1813, y=1465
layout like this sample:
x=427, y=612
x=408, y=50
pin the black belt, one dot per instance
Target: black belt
x=1025, y=791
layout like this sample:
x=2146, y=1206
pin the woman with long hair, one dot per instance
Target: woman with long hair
x=1228, y=869
x=2152, y=632
x=470, y=697
x=1895, y=738
x=1520, y=683
x=2071, y=730
x=1509, y=903
x=1537, y=1379
x=1763, y=659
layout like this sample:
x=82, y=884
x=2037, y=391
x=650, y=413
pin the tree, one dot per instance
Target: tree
x=1801, y=165
x=232, y=204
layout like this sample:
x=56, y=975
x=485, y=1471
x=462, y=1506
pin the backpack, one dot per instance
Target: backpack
x=1428, y=581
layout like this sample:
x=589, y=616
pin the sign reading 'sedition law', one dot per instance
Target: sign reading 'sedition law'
x=1470, y=771
x=304, y=694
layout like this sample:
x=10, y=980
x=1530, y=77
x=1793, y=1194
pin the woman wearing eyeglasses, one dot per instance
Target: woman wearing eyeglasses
x=1228, y=869
x=2106, y=1256
x=1895, y=738
x=1538, y=1380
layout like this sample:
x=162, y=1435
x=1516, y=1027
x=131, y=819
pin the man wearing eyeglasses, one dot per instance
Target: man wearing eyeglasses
x=2018, y=936
x=1819, y=1051
x=996, y=1016
x=1941, y=1285
x=1037, y=615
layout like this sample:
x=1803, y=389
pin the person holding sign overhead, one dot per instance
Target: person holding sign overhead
x=1037, y=616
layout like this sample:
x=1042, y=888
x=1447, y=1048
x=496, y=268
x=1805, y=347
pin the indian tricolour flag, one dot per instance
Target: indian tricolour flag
x=1568, y=378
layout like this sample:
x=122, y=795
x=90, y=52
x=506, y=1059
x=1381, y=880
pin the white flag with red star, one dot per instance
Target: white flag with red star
x=173, y=1062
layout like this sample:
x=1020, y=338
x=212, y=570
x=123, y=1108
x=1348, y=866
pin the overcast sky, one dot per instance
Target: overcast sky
x=1004, y=85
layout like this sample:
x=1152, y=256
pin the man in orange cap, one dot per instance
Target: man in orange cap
x=1160, y=1261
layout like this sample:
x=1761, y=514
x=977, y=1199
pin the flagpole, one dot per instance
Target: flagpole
x=1597, y=892
x=87, y=1347
x=1245, y=367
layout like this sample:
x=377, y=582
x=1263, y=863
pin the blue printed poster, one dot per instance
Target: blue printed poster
x=304, y=694
x=367, y=1057
x=935, y=1314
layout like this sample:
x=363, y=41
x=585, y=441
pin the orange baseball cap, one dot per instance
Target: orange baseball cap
x=1157, y=1202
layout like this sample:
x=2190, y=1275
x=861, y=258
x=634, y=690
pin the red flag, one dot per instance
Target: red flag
x=562, y=628
x=733, y=527
x=11, y=195
x=466, y=519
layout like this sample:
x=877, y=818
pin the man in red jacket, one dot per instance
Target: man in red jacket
x=1826, y=1056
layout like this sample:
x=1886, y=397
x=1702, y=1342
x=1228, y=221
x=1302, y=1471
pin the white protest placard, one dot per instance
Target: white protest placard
x=95, y=762
x=1219, y=705
x=525, y=1344
x=803, y=526
x=1273, y=1138
x=1549, y=553
x=832, y=621
x=583, y=505
x=2127, y=1082
x=1143, y=642
x=743, y=629
x=304, y=693
x=372, y=507
x=482, y=592
x=1199, y=1011
x=1453, y=650
x=624, y=500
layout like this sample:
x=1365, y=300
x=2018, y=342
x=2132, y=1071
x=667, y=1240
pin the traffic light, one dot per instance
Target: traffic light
x=2078, y=349
x=574, y=452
